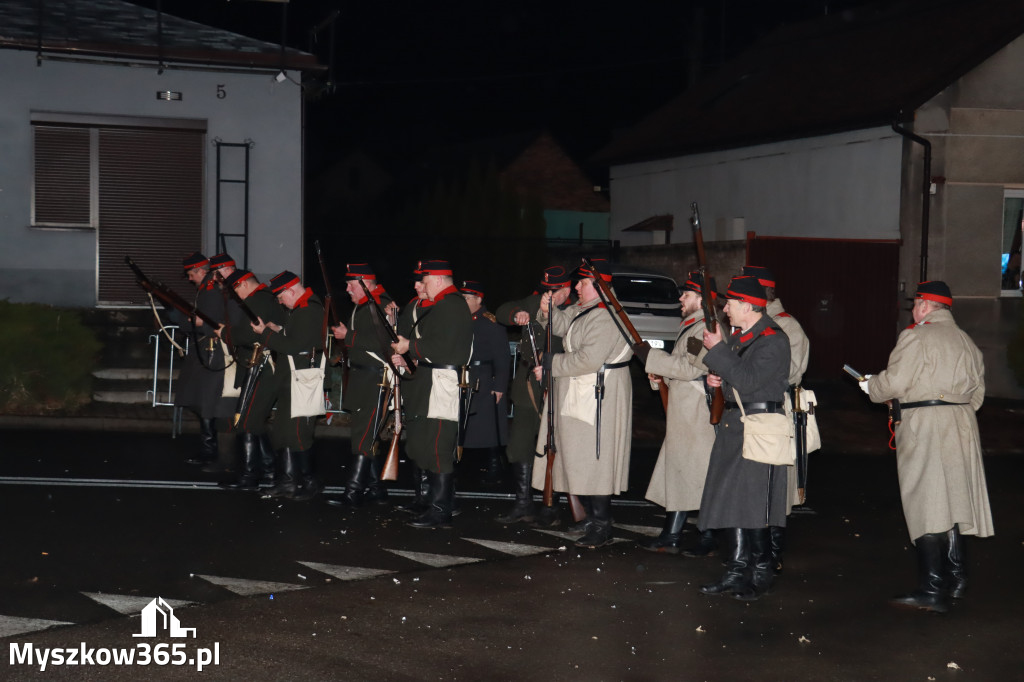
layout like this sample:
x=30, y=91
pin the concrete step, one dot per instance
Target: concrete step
x=126, y=397
x=133, y=374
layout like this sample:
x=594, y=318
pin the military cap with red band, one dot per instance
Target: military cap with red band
x=282, y=281
x=556, y=277
x=765, y=276
x=237, y=277
x=694, y=282
x=747, y=288
x=222, y=260
x=434, y=267
x=194, y=260
x=935, y=291
x=472, y=288
x=355, y=271
x=602, y=268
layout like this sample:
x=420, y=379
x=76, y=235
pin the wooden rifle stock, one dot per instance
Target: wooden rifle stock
x=609, y=298
x=170, y=297
x=550, y=451
x=390, y=470
x=717, y=406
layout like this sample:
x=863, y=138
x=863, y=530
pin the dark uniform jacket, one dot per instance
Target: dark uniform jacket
x=367, y=351
x=756, y=363
x=489, y=371
x=201, y=381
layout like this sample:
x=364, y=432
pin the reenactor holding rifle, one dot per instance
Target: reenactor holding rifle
x=439, y=340
x=364, y=397
x=528, y=394
x=593, y=409
x=677, y=482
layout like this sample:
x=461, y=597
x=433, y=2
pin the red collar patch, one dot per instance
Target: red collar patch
x=304, y=299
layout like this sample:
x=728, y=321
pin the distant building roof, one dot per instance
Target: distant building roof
x=845, y=71
x=112, y=28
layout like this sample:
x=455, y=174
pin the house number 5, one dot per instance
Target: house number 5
x=221, y=93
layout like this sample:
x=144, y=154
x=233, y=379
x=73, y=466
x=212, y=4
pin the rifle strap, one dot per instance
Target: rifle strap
x=160, y=323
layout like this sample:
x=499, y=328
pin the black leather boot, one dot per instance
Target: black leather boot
x=737, y=566
x=287, y=480
x=207, y=442
x=668, y=541
x=763, y=575
x=376, y=491
x=250, y=478
x=599, y=530
x=352, y=496
x=309, y=486
x=440, y=495
x=706, y=546
x=930, y=594
x=419, y=503
x=549, y=517
x=955, y=564
x=584, y=523
x=267, y=461
x=777, y=546
x=495, y=466
x=524, y=509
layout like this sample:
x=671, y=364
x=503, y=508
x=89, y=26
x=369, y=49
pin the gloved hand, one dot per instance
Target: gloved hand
x=864, y=384
x=642, y=350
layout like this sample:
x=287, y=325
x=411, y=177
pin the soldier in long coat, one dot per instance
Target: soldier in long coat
x=201, y=381
x=938, y=376
x=743, y=497
x=440, y=343
x=368, y=351
x=593, y=405
x=487, y=424
x=528, y=395
x=298, y=338
x=799, y=354
x=677, y=483
x=257, y=453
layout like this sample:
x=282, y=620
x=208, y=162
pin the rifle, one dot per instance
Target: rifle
x=249, y=387
x=550, y=451
x=717, y=405
x=390, y=470
x=170, y=297
x=380, y=320
x=632, y=335
x=342, y=355
x=800, y=420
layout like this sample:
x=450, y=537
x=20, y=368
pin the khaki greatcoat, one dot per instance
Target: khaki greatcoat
x=591, y=339
x=677, y=482
x=938, y=449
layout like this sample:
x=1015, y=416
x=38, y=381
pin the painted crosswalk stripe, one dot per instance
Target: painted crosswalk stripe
x=345, y=572
x=13, y=625
x=250, y=587
x=513, y=548
x=435, y=560
x=572, y=537
x=130, y=605
x=650, y=531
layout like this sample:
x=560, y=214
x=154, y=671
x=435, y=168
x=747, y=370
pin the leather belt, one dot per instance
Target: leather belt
x=613, y=365
x=770, y=406
x=926, y=403
x=430, y=365
x=366, y=368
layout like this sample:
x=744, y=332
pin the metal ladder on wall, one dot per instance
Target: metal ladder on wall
x=233, y=171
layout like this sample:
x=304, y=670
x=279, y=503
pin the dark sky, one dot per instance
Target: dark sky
x=408, y=72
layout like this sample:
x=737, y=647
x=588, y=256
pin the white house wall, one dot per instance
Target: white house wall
x=835, y=186
x=59, y=266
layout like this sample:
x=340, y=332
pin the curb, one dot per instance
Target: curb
x=125, y=425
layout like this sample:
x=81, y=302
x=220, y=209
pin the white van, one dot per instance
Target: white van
x=652, y=302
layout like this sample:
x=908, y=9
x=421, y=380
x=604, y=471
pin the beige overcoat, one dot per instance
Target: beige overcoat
x=938, y=449
x=799, y=354
x=677, y=482
x=591, y=339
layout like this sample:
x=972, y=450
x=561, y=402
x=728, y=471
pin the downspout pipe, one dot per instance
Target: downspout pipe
x=926, y=192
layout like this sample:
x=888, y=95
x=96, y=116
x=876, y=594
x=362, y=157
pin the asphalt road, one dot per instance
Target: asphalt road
x=99, y=524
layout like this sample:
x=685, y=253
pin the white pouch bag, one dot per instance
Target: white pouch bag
x=767, y=437
x=307, y=389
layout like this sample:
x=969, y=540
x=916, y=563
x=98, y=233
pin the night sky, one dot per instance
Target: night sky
x=409, y=73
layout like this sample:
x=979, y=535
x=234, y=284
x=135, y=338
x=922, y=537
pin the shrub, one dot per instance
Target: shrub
x=46, y=357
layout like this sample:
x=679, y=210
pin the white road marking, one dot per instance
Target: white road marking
x=13, y=625
x=345, y=572
x=435, y=560
x=513, y=548
x=651, y=531
x=250, y=587
x=130, y=605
